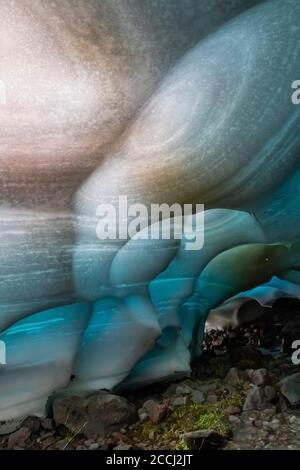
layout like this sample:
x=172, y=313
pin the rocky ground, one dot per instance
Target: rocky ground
x=244, y=393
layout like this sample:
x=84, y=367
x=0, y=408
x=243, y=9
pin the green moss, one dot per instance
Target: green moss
x=191, y=417
x=182, y=445
x=147, y=429
x=212, y=420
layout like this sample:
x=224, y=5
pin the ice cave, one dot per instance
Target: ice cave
x=161, y=102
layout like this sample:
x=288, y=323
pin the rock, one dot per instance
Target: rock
x=268, y=413
x=104, y=445
x=260, y=377
x=204, y=388
x=249, y=373
x=124, y=447
x=203, y=439
x=171, y=391
x=89, y=442
x=19, y=438
x=234, y=420
x=290, y=388
x=94, y=446
x=8, y=427
x=185, y=387
x=292, y=419
x=233, y=377
x=275, y=424
x=212, y=398
x=142, y=415
x=197, y=397
x=71, y=413
x=180, y=401
x=141, y=446
x=155, y=411
x=232, y=410
x=47, y=424
x=33, y=423
x=183, y=390
x=255, y=399
x=270, y=392
x=117, y=437
x=96, y=416
x=258, y=423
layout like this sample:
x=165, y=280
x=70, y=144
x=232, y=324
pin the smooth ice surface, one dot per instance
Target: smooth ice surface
x=40, y=355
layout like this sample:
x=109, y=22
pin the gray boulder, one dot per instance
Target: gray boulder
x=96, y=416
x=290, y=388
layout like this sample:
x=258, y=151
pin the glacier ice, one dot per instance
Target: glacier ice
x=164, y=103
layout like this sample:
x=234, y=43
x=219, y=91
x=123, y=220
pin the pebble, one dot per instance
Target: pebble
x=204, y=388
x=212, y=398
x=183, y=390
x=180, y=401
x=260, y=377
x=89, y=442
x=255, y=399
x=155, y=411
x=234, y=419
x=124, y=447
x=233, y=377
x=197, y=397
x=94, y=446
x=232, y=410
x=47, y=424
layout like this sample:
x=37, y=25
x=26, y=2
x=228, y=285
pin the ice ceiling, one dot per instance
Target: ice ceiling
x=164, y=102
